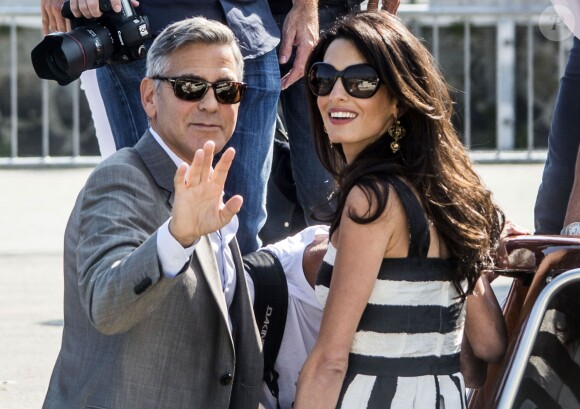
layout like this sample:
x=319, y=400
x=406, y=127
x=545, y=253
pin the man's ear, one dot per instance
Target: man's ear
x=149, y=98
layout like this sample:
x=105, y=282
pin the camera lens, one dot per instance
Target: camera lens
x=58, y=59
x=64, y=56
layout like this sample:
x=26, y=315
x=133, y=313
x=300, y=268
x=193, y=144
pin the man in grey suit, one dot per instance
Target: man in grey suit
x=156, y=311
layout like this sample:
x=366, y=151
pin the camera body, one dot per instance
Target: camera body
x=112, y=38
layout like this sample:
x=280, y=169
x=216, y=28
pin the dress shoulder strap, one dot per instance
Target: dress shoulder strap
x=420, y=238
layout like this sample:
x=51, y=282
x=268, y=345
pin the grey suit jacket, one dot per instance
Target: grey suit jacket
x=133, y=338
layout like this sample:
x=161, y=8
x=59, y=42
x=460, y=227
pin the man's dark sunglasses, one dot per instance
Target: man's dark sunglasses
x=359, y=81
x=190, y=89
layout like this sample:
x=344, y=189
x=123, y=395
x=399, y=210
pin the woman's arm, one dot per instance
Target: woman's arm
x=485, y=338
x=473, y=369
x=360, y=250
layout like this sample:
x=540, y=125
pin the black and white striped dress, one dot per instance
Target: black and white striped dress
x=405, y=352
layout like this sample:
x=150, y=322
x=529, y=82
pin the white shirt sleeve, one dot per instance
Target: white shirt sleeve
x=290, y=251
x=172, y=256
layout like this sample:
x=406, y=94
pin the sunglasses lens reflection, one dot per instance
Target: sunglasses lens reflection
x=189, y=90
x=360, y=81
x=229, y=92
x=226, y=92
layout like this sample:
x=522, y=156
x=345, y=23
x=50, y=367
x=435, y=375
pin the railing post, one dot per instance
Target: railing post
x=76, y=136
x=45, y=119
x=467, y=82
x=530, y=86
x=506, y=57
x=436, y=42
x=13, y=90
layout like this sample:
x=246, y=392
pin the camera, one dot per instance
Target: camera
x=112, y=38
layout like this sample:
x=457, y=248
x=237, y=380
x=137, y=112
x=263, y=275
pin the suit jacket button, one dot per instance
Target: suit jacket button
x=226, y=379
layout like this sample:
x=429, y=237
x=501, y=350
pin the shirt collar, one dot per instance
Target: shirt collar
x=176, y=159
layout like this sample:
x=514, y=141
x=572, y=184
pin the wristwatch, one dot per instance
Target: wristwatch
x=573, y=229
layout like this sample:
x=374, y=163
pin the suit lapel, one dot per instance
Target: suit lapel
x=248, y=346
x=158, y=162
x=241, y=287
x=209, y=268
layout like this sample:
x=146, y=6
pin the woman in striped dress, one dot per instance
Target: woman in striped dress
x=412, y=232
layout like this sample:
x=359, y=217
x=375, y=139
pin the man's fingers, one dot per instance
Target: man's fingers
x=290, y=78
x=288, y=40
x=232, y=207
x=52, y=19
x=391, y=6
x=194, y=175
x=86, y=8
x=222, y=168
x=93, y=8
x=208, y=150
x=179, y=178
x=373, y=5
x=58, y=23
x=297, y=70
x=116, y=5
x=46, y=26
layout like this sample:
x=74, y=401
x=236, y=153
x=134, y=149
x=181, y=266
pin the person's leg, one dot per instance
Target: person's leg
x=102, y=128
x=120, y=89
x=314, y=184
x=563, y=143
x=253, y=140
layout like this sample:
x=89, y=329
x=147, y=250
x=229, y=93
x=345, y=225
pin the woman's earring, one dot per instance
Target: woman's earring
x=396, y=132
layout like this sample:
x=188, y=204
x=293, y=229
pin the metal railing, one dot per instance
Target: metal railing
x=504, y=20
x=424, y=20
x=532, y=325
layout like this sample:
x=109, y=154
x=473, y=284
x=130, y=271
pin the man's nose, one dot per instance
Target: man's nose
x=209, y=101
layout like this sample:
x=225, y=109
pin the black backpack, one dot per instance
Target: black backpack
x=270, y=308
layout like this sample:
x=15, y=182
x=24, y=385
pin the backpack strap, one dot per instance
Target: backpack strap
x=270, y=309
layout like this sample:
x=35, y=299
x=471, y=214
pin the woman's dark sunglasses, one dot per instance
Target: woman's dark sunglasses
x=189, y=89
x=359, y=81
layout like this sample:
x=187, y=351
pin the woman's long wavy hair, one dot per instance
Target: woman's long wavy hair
x=431, y=158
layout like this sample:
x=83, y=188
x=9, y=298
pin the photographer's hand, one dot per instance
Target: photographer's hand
x=91, y=9
x=301, y=31
x=52, y=19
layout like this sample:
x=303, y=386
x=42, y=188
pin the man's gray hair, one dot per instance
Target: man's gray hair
x=196, y=30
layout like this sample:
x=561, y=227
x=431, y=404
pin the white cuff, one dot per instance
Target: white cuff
x=172, y=256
